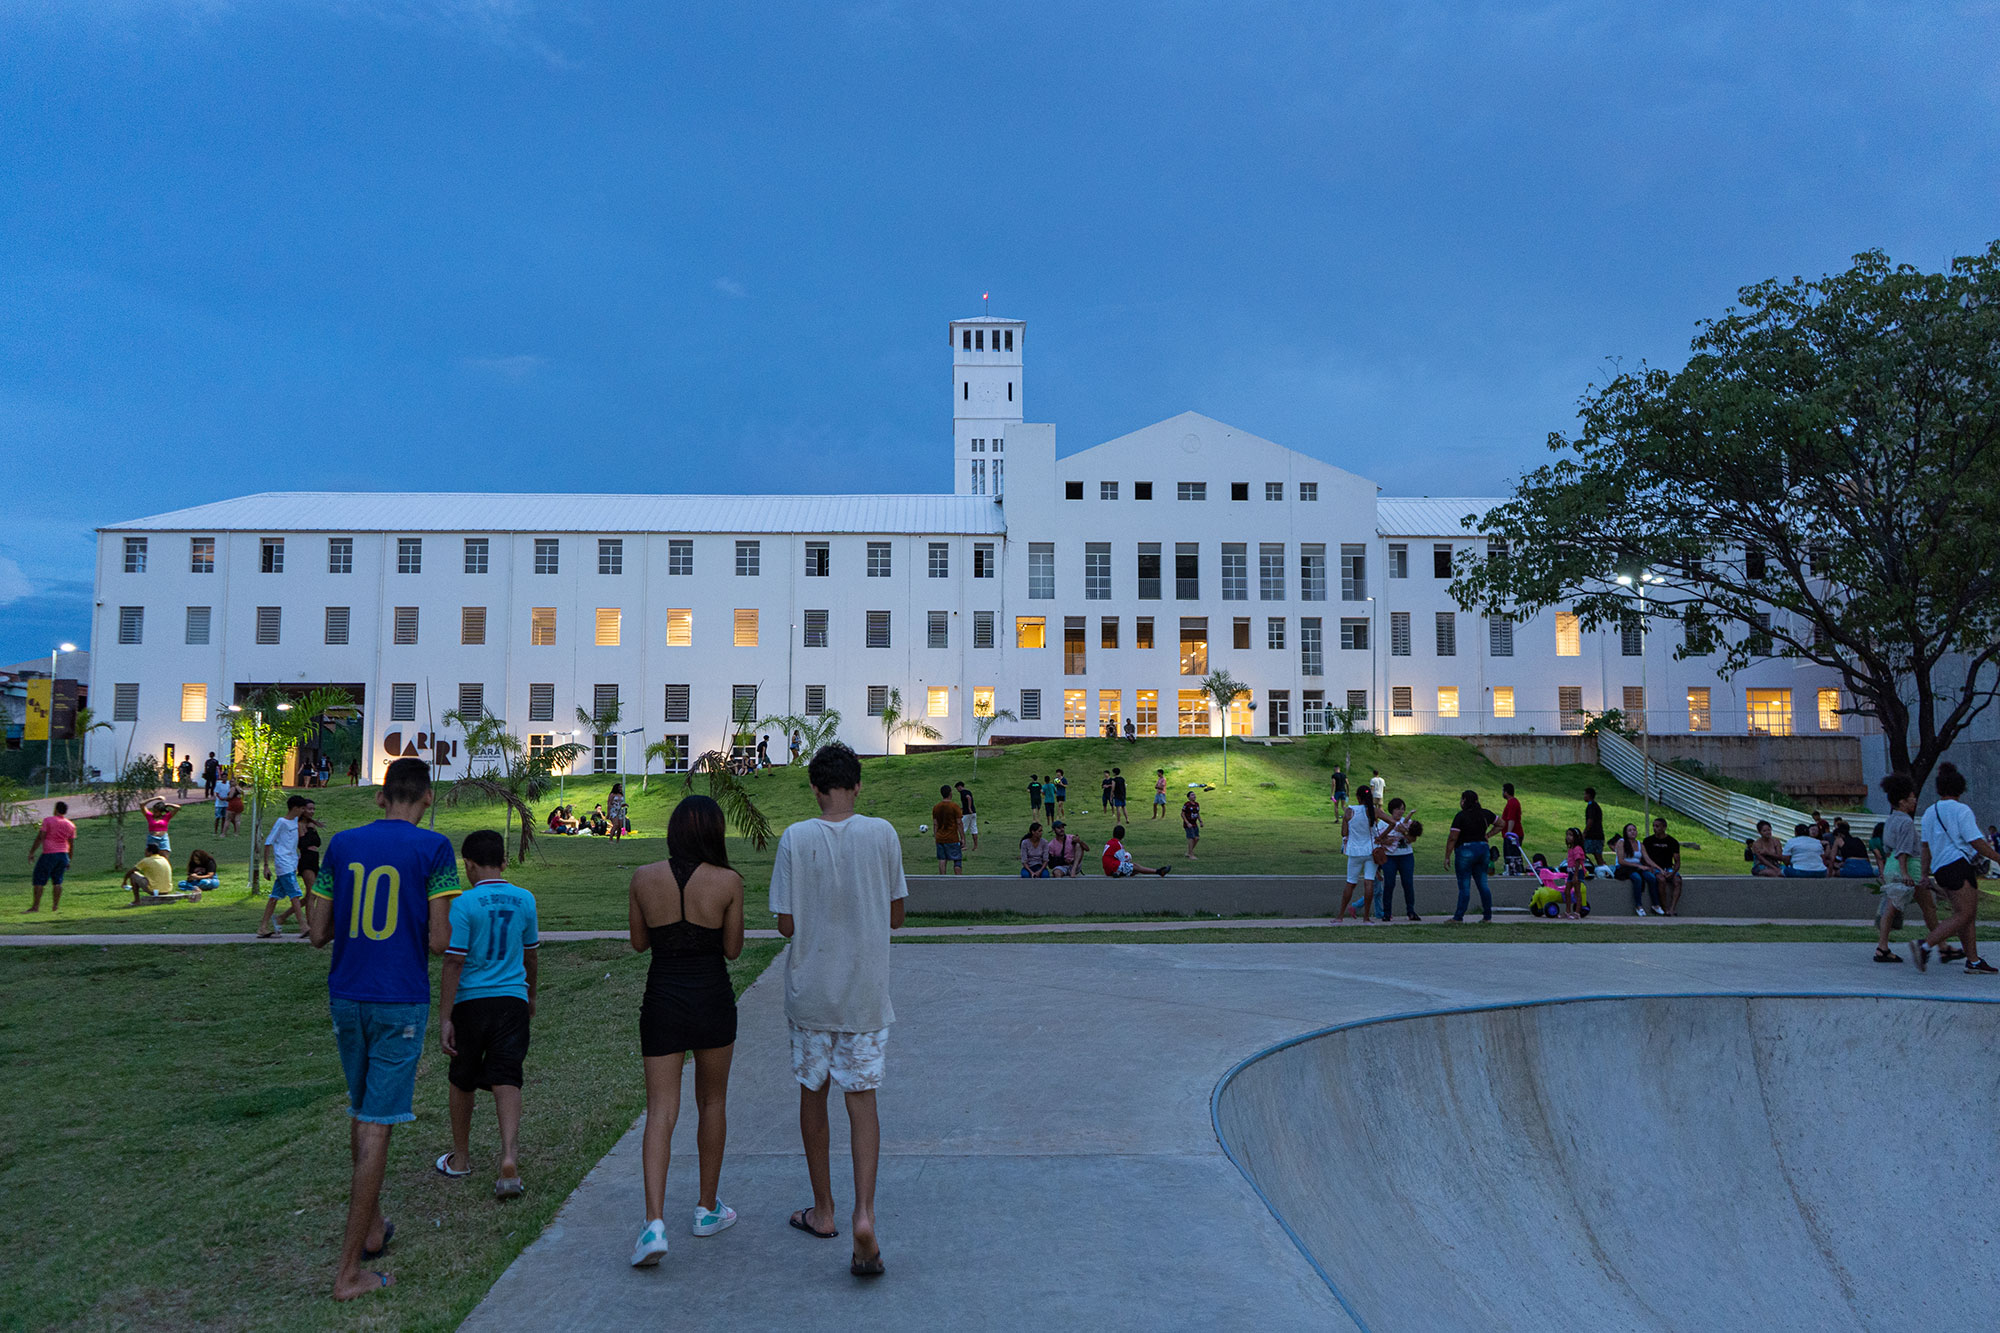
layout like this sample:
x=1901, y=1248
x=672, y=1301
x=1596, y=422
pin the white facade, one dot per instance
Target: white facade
x=1139, y=565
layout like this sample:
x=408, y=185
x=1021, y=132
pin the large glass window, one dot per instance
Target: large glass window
x=1073, y=645
x=1075, y=723
x=1193, y=713
x=1041, y=571
x=1569, y=635
x=1312, y=572
x=1235, y=572
x=1770, y=712
x=1149, y=571
x=1107, y=632
x=1353, y=572
x=1194, y=647
x=1146, y=713
x=1187, y=571
x=1097, y=571
x=1829, y=710
x=1142, y=631
x=1108, y=710
x=1698, y=719
x=1270, y=571
x=1030, y=632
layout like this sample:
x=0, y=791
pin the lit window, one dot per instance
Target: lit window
x=1242, y=719
x=1108, y=710
x=1447, y=701
x=1698, y=719
x=938, y=701
x=680, y=628
x=1031, y=632
x=472, y=624
x=194, y=703
x=1107, y=632
x=610, y=620
x=1569, y=635
x=1193, y=713
x=746, y=627
x=1142, y=632
x=1829, y=710
x=1073, y=645
x=982, y=701
x=1194, y=648
x=1146, y=713
x=1503, y=701
x=1075, y=723
x=1770, y=712
x=542, y=626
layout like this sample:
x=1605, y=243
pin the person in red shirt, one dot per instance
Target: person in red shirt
x=1512, y=832
x=1118, y=862
x=51, y=847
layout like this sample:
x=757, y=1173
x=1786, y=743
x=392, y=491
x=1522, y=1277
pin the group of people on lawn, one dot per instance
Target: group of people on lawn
x=609, y=818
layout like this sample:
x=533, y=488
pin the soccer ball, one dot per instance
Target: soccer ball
x=923, y=828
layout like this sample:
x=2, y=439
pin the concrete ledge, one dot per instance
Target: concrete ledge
x=1319, y=895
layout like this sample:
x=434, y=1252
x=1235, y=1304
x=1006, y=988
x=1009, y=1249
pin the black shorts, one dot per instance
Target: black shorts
x=492, y=1039
x=1958, y=875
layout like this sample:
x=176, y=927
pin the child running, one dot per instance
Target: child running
x=281, y=862
x=1900, y=868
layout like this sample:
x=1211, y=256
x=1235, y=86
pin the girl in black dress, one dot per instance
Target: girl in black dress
x=688, y=910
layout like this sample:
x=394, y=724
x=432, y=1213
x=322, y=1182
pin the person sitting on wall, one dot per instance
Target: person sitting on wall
x=201, y=874
x=1066, y=852
x=1805, y=855
x=1034, y=853
x=1850, y=855
x=1764, y=852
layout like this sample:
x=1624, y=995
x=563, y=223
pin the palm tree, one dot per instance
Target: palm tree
x=983, y=723
x=730, y=792
x=1347, y=721
x=1225, y=690
x=516, y=778
x=602, y=723
x=86, y=722
x=667, y=750
x=897, y=723
x=815, y=729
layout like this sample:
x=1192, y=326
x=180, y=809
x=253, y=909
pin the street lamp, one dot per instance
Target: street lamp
x=49, y=754
x=562, y=782
x=1645, y=696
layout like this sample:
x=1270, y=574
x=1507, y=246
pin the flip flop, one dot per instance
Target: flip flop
x=443, y=1165
x=509, y=1187
x=388, y=1234
x=866, y=1268
x=800, y=1220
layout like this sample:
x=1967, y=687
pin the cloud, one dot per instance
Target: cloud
x=510, y=367
x=14, y=584
x=731, y=287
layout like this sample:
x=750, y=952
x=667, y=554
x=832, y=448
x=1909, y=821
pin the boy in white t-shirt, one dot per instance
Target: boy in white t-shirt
x=281, y=862
x=837, y=889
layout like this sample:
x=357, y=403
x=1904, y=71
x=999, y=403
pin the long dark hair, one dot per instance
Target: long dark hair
x=697, y=833
x=1364, y=796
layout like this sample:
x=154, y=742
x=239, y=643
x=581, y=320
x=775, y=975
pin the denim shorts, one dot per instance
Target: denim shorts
x=951, y=851
x=380, y=1045
x=286, y=886
x=50, y=867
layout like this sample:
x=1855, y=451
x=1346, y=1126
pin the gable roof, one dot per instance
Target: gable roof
x=1219, y=435
x=1429, y=516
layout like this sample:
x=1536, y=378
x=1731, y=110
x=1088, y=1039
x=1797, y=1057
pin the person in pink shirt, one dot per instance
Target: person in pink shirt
x=159, y=814
x=53, y=842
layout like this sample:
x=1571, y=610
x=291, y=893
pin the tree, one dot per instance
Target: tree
x=86, y=722
x=601, y=723
x=897, y=723
x=1347, y=721
x=983, y=723
x=514, y=776
x=667, y=750
x=1225, y=690
x=14, y=805
x=135, y=782
x=257, y=748
x=1829, y=458
x=815, y=729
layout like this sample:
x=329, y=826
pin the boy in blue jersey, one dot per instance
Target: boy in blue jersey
x=489, y=996
x=391, y=884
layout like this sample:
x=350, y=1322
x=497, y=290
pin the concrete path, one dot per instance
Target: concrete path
x=1049, y=1158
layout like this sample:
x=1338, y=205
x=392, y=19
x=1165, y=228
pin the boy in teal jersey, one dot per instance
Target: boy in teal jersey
x=489, y=996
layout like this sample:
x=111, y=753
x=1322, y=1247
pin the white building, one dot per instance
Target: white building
x=1076, y=591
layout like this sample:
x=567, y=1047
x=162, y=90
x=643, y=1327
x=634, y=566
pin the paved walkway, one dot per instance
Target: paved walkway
x=1049, y=1158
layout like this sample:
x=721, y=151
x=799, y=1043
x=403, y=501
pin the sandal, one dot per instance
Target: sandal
x=1884, y=955
x=1951, y=953
x=866, y=1267
x=802, y=1219
x=443, y=1165
x=388, y=1234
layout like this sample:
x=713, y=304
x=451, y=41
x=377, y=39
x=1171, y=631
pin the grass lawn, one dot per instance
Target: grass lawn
x=173, y=1142
x=1273, y=818
x=1500, y=932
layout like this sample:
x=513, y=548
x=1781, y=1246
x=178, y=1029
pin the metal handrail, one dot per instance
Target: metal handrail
x=1726, y=812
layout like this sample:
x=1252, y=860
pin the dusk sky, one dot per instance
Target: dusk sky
x=454, y=245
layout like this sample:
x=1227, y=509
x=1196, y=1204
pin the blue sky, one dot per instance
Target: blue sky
x=454, y=244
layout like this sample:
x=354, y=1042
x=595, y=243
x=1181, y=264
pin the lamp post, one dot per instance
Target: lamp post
x=1645, y=697
x=49, y=753
x=562, y=780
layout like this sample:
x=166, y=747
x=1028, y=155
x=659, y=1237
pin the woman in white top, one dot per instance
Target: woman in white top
x=1950, y=838
x=1359, y=827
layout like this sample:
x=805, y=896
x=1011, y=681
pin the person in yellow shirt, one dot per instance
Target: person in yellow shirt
x=152, y=877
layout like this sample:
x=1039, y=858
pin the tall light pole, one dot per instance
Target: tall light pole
x=49, y=753
x=1645, y=696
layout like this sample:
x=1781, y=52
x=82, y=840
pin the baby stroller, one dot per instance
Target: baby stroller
x=1517, y=864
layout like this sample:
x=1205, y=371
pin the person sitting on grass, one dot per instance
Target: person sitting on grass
x=1805, y=855
x=1034, y=853
x=152, y=878
x=1118, y=862
x=1765, y=853
x=600, y=823
x=201, y=876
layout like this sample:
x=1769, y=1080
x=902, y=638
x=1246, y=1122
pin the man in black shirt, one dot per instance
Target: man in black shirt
x=1118, y=793
x=1593, y=825
x=969, y=822
x=1664, y=851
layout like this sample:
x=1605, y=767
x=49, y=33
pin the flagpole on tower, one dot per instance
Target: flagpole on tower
x=987, y=299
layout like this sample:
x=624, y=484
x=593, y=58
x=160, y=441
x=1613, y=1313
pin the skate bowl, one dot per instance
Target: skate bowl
x=1766, y=1162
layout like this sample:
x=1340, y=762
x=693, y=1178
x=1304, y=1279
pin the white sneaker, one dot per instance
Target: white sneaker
x=652, y=1244
x=707, y=1223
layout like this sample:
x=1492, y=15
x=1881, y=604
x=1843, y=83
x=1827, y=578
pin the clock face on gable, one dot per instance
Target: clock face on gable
x=989, y=391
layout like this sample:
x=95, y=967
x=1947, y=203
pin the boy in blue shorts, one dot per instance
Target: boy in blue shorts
x=489, y=996
x=392, y=883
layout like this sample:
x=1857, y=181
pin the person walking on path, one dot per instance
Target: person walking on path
x=390, y=906
x=1468, y=851
x=1118, y=793
x=54, y=840
x=209, y=772
x=947, y=833
x=1902, y=869
x=969, y=821
x=1400, y=858
x=837, y=889
x=489, y=981
x=1950, y=838
x=1034, y=796
x=1191, y=823
x=1160, y=793
x=1360, y=826
x=1593, y=826
x=687, y=909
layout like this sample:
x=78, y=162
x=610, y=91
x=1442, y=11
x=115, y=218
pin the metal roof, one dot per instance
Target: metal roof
x=363, y=511
x=1428, y=515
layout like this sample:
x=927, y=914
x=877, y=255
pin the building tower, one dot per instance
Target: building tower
x=985, y=400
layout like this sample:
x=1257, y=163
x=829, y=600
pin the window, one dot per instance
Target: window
x=604, y=745
x=135, y=555
x=680, y=628
x=1758, y=641
x=471, y=702
x=1312, y=659
x=1270, y=571
x=548, y=555
x=1312, y=712
x=1187, y=571
x=1030, y=632
x=540, y=743
x=542, y=702
x=271, y=555
x=1235, y=572
x=815, y=700
x=131, y=624
x=1633, y=704
x=270, y=620
x=813, y=630
x=1829, y=710
x=542, y=626
x=1447, y=701
x=982, y=701
x=1239, y=632
x=1146, y=713
x=1239, y=490
x=1312, y=571
x=1075, y=723
x=1399, y=560
x=1274, y=490
x=1149, y=571
x=1569, y=707
x=1041, y=571
x=1107, y=490
x=1441, y=560
x=409, y=555
x=1698, y=708
x=1031, y=706
x=1399, y=634
x=1072, y=490
x=1193, y=713
x=1107, y=632
x=744, y=632
x=1142, y=631
x=403, y=702
x=1770, y=712
x=750, y=559
x=339, y=556
x=1503, y=701
x=878, y=629
x=1142, y=490
x=937, y=701
x=674, y=703
x=1353, y=572
x=1354, y=633
x=1358, y=701
x=1278, y=712
x=1569, y=635
x=1401, y=702
x=819, y=560
x=610, y=624
x=879, y=557
x=1755, y=566
x=1631, y=639
x=125, y=703
x=680, y=556
x=982, y=560
x=982, y=629
x=472, y=624
x=1447, y=633
x=1194, y=646
x=1192, y=490
x=405, y=624
x=940, y=560
x=999, y=470
x=1073, y=645
x=1500, y=636
x=1109, y=706
x=679, y=763
x=197, y=623
x=194, y=703
x=336, y=624
x=478, y=551
x=1274, y=632
x=1308, y=491
x=939, y=630
x=1097, y=571
x=201, y=555
x=611, y=555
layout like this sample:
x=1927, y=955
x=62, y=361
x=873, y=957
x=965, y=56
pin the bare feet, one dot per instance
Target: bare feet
x=363, y=1282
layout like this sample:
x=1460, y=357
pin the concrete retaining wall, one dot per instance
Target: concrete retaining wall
x=1818, y=769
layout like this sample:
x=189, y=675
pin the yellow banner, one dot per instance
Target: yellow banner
x=40, y=695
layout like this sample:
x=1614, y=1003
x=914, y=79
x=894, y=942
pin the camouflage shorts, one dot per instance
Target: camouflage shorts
x=854, y=1059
